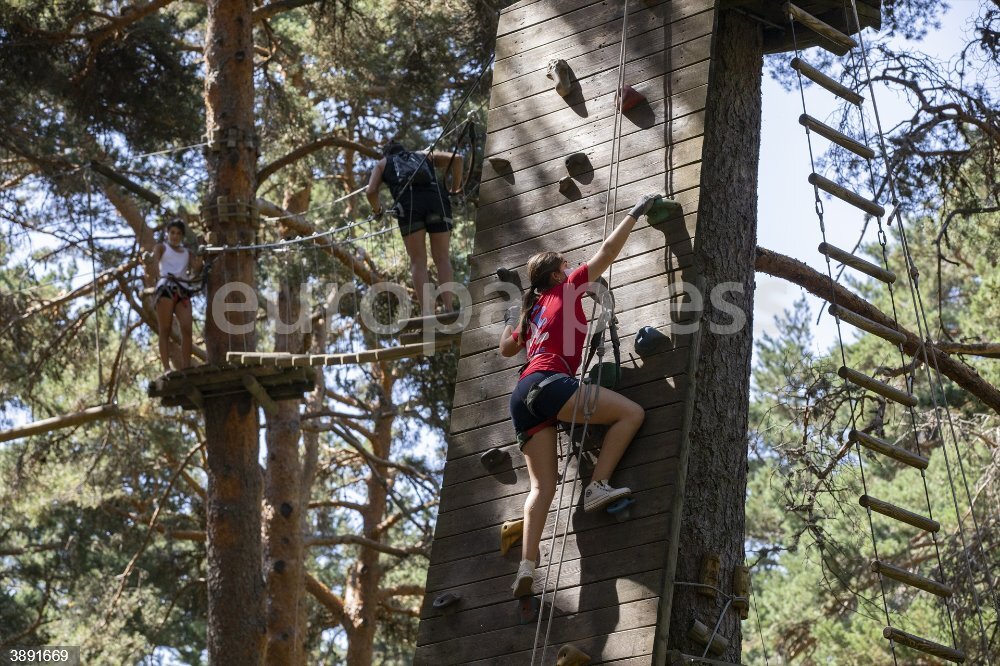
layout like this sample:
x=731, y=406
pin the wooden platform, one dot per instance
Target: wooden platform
x=189, y=388
x=777, y=33
x=613, y=573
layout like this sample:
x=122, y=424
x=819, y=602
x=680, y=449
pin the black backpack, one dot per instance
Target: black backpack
x=413, y=168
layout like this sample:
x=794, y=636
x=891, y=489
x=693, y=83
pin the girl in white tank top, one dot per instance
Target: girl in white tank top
x=173, y=298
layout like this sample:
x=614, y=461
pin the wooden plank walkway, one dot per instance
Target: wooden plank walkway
x=612, y=575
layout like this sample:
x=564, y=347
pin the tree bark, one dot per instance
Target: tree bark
x=283, y=506
x=713, y=516
x=236, y=627
x=361, y=598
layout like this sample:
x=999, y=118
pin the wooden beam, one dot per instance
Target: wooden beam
x=194, y=395
x=420, y=323
x=260, y=395
x=59, y=422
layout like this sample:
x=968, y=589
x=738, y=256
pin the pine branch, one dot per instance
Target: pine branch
x=326, y=597
x=273, y=9
x=819, y=285
x=308, y=149
x=364, y=542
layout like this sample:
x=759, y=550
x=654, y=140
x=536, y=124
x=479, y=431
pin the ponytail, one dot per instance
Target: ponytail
x=527, y=302
x=541, y=266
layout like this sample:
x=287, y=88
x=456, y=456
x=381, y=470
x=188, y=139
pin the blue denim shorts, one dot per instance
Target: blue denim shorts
x=546, y=404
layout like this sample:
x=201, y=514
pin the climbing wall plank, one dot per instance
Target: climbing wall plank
x=612, y=573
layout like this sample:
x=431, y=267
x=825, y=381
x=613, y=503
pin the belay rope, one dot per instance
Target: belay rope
x=587, y=393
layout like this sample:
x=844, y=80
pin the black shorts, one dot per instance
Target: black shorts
x=173, y=291
x=427, y=210
x=546, y=406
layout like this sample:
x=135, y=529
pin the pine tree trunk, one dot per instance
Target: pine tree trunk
x=365, y=578
x=713, y=516
x=283, y=508
x=235, y=584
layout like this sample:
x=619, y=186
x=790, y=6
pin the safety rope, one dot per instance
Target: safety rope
x=760, y=632
x=588, y=394
x=935, y=382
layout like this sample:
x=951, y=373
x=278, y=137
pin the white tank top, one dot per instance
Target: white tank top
x=172, y=262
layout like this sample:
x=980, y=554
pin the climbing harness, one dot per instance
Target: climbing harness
x=605, y=374
x=536, y=390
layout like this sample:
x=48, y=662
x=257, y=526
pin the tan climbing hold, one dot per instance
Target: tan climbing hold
x=559, y=72
x=510, y=533
x=571, y=656
x=710, y=565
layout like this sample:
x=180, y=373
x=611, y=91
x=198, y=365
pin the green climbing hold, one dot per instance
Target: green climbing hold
x=663, y=210
x=607, y=372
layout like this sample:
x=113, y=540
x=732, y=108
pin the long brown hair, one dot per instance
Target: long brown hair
x=541, y=266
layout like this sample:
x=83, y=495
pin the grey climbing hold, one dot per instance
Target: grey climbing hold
x=559, y=72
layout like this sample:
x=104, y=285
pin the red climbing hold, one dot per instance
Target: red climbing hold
x=628, y=98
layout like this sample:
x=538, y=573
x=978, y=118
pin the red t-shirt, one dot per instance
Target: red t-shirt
x=557, y=333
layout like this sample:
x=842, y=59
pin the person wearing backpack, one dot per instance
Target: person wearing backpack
x=422, y=207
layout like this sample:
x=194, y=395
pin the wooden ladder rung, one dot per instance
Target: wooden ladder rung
x=910, y=578
x=924, y=645
x=839, y=43
x=866, y=324
x=899, y=513
x=889, y=450
x=876, y=386
x=836, y=137
x=821, y=79
x=846, y=195
x=857, y=263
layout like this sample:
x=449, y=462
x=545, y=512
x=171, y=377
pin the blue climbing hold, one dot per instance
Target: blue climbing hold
x=620, y=508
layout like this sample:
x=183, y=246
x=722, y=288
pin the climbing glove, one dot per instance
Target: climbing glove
x=644, y=204
x=511, y=315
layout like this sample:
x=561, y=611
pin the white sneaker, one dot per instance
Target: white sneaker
x=599, y=494
x=525, y=579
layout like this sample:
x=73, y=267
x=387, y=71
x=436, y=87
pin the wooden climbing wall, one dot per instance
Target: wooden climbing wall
x=613, y=573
